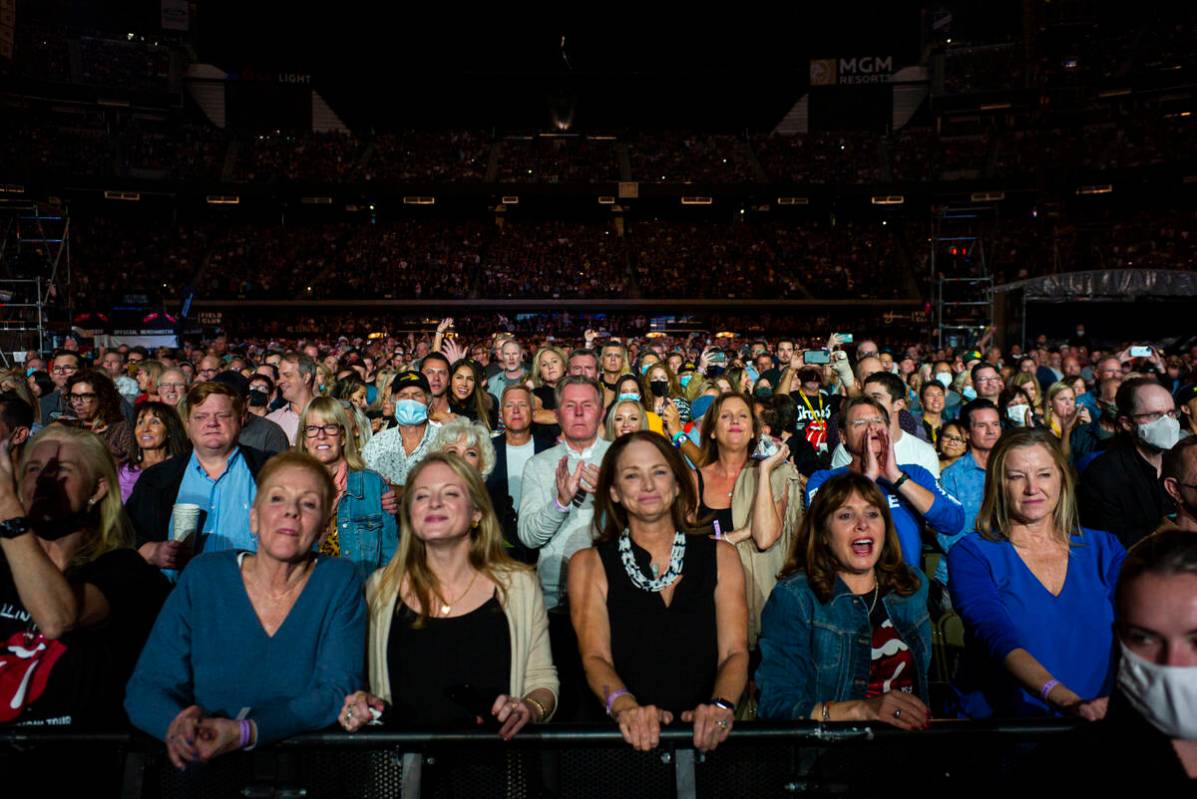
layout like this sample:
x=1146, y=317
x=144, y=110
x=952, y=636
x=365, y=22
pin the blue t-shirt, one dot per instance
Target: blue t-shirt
x=1005, y=607
x=945, y=517
x=964, y=480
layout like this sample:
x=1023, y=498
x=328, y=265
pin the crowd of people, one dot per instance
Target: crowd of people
x=230, y=543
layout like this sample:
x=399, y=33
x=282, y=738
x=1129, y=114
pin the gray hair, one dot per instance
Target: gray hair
x=475, y=434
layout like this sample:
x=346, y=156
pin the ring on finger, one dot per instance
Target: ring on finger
x=898, y=713
x=722, y=724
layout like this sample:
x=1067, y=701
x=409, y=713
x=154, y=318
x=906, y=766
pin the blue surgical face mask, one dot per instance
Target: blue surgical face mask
x=684, y=380
x=410, y=412
x=700, y=406
x=29, y=372
x=753, y=374
x=644, y=369
x=628, y=398
x=969, y=393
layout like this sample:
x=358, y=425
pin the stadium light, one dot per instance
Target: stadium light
x=414, y=200
x=698, y=200
x=1104, y=188
x=888, y=199
x=125, y=196
x=224, y=199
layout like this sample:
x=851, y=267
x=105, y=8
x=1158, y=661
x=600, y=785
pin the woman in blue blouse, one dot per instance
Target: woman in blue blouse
x=361, y=530
x=1035, y=591
x=253, y=648
x=845, y=635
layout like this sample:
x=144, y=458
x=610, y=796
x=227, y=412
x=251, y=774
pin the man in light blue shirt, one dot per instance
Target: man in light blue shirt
x=965, y=479
x=224, y=502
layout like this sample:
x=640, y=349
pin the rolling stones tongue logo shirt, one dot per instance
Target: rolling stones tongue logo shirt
x=79, y=679
x=892, y=665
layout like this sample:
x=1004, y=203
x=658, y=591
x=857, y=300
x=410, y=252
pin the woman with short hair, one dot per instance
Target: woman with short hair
x=254, y=647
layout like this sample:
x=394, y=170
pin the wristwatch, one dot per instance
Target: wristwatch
x=14, y=527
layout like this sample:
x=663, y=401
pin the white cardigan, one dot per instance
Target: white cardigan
x=528, y=624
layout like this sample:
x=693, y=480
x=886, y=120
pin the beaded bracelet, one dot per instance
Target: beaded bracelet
x=1047, y=688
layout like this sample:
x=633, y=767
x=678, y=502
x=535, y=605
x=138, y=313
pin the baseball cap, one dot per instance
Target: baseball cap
x=410, y=377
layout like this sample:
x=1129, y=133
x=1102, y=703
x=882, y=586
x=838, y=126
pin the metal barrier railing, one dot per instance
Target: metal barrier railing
x=759, y=759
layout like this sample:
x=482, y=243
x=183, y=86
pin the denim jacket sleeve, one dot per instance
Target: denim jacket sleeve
x=787, y=674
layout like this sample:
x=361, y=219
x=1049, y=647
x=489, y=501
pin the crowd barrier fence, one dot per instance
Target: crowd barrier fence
x=758, y=760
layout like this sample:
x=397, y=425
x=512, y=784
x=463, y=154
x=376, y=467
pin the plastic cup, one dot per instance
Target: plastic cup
x=186, y=518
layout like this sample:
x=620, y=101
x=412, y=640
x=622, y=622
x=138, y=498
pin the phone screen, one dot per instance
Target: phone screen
x=816, y=356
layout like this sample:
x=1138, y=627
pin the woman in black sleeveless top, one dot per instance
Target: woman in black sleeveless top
x=659, y=607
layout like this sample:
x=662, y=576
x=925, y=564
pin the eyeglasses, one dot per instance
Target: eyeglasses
x=313, y=430
x=64, y=370
x=988, y=380
x=860, y=423
x=1155, y=416
x=82, y=397
x=955, y=439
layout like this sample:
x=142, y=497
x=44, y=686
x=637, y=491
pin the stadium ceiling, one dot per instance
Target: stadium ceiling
x=618, y=70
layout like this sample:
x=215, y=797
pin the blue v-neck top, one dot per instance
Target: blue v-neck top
x=208, y=648
x=1005, y=607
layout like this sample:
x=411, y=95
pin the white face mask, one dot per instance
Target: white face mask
x=1164, y=695
x=1017, y=414
x=944, y=378
x=1162, y=434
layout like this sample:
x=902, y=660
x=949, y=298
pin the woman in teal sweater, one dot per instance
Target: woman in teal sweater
x=253, y=648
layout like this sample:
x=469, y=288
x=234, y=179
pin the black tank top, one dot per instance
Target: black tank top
x=666, y=655
x=707, y=514
x=474, y=650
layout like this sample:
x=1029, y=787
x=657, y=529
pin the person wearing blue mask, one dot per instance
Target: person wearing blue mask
x=393, y=452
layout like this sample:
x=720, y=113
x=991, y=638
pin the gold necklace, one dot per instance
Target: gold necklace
x=447, y=607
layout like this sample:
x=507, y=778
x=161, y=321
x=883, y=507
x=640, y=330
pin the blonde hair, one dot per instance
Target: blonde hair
x=410, y=562
x=112, y=531
x=294, y=458
x=331, y=410
x=537, y=382
x=475, y=433
x=1035, y=395
x=382, y=384
x=609, y=424
x=993, y=520
x=1052, y=392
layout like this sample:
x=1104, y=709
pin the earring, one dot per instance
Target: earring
x=91, y=502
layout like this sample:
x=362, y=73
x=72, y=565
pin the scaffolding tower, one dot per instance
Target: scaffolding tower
x=960, y=274
x=35, y=275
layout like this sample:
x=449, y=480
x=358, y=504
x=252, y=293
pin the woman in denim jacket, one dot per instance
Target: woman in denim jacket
x=845, y=635
x=361, y=529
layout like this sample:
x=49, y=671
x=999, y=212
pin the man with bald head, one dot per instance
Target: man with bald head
x=1121, y=491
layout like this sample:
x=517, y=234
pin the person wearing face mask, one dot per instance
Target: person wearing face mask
x=256, y=431
x=78, y=600
x=1186, y=401
x=627, y=389
x=393, y=452
x=660, y=388
x=1149, y=734
x=1121, y=490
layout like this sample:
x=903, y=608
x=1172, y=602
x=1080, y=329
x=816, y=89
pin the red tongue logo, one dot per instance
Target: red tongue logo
x=25, y=665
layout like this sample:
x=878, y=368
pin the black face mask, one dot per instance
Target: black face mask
x=258, y=399
x=764, y=392
x=659, y=388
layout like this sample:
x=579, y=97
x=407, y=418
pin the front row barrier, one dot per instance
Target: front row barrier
x=759, y=759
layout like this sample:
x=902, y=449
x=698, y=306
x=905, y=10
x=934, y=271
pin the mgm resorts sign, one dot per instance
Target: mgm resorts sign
x=847, y=71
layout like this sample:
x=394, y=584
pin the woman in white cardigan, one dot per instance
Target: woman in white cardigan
x=458, y=631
